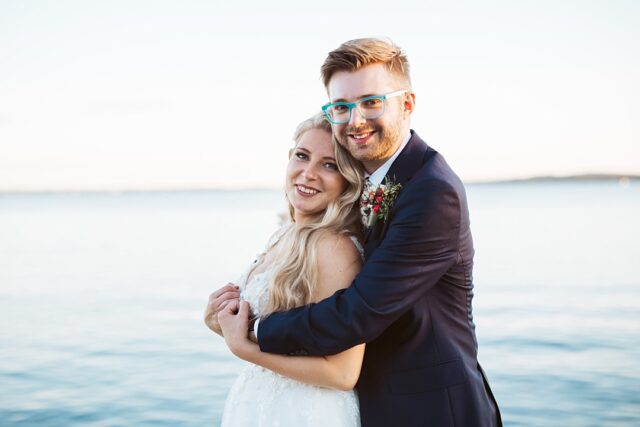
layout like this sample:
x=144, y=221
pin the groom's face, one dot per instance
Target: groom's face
x=371, y=141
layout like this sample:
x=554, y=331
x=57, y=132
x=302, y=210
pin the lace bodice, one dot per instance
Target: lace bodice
x=261, y=398
x=256, y=292
x=253, y=286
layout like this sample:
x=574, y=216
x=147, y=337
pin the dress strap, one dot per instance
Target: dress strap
x=358, y=245
x=275, y=237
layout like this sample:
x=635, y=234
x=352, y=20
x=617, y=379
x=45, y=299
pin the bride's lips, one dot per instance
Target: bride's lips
x=306, y=191
x=361, y=138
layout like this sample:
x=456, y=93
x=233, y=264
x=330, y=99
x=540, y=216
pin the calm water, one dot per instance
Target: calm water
x=101, y=299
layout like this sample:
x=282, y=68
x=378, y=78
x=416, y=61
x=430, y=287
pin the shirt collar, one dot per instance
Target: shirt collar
x=378, y=175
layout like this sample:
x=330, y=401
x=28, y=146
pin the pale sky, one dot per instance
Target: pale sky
x=120, y=95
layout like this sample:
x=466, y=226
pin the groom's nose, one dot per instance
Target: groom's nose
x=356, y=117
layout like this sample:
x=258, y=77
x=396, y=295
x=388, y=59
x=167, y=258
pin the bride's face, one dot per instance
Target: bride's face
x=313, y=179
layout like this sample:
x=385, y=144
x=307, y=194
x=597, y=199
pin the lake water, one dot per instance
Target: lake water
x=101, y=301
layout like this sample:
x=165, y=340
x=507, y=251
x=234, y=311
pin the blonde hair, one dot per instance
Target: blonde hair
x=295, y=265
x=355, y=54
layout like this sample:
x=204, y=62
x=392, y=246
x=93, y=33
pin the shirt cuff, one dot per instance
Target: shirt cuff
x=255, y=328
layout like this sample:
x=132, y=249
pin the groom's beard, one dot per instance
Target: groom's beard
x=381, y=146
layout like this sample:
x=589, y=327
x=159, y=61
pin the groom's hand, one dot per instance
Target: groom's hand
x=217, y=302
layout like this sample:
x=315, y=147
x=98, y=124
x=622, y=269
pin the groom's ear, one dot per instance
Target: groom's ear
x=409, y=103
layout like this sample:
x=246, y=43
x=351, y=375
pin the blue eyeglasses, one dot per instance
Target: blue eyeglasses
x=369, y=107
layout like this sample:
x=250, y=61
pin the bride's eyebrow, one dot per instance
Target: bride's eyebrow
x=308, y=151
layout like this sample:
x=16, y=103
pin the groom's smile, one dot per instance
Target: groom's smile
x=371, y=140
x=360, y=137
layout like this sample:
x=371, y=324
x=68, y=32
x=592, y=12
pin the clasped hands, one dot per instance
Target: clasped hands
x=228, y=316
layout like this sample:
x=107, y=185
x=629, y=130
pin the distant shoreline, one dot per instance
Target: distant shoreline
x=551, y=178
x=623, y=179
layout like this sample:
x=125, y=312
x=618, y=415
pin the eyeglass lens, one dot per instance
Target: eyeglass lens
x=369, y=108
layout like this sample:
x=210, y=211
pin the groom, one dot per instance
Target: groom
x=411, y=303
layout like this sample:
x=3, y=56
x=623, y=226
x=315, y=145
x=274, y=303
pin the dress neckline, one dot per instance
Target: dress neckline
x=251, y=275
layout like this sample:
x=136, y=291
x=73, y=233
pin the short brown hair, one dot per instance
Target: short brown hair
x=355, y=54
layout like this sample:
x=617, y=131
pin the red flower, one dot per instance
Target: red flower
x=376, y=203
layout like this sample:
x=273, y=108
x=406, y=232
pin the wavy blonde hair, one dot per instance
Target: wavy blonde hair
x=293, y=283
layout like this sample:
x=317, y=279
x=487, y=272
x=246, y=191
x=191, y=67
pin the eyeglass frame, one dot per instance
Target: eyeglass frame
x=357, y=103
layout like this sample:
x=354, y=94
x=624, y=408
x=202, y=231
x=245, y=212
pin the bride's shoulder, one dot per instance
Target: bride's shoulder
x=338, y=261
x=344, y=245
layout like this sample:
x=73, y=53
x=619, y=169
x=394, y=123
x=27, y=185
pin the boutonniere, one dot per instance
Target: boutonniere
x=376, y=203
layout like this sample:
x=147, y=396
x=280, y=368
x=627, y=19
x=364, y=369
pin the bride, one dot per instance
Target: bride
x=309, y=259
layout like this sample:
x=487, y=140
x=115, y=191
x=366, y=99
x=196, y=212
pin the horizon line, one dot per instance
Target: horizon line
x=622, y=178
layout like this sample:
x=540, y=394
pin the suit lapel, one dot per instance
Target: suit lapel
x=402, y=170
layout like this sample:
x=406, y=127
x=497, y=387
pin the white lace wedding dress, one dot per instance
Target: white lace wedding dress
x=261, y=398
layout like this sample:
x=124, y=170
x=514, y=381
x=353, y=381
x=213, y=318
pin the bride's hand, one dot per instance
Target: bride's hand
x=217, y=301
x=234, y=322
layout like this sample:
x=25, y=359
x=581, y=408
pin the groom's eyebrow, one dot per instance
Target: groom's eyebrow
x=359, y=97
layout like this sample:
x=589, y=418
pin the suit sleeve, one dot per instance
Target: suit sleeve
x=420, y=246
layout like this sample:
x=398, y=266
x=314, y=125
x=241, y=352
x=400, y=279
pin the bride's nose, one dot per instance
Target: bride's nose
x=309, y=172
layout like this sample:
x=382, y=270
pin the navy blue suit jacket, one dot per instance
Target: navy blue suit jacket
x=411, y=304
